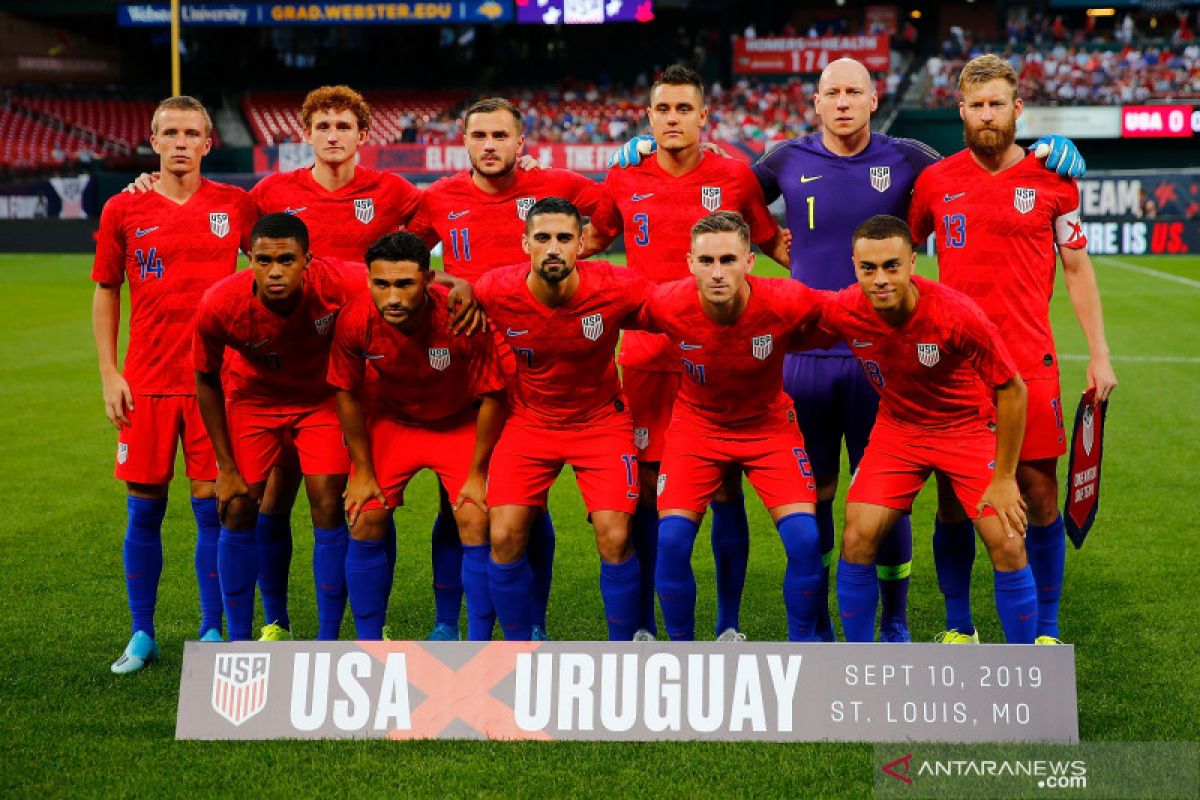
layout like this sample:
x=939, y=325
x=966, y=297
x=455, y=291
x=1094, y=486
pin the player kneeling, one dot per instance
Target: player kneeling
x=412, y=395
x=730, y=331
x=932, y=355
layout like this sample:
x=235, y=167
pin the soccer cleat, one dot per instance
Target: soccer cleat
x=955, y=637
x=894, y=633
x=537, y=633
x=275, y=633
x=644, y=635
x=731, y=635
x=140, y=651
x=444, y=633
x=1047, y=640
x=387, y=633
x=212, y=635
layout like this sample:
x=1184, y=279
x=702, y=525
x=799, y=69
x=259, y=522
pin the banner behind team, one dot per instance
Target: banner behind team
x=783, y=54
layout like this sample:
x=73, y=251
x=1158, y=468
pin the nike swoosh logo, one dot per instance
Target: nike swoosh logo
x=372, y=356
x=806, y=179
x=637, y=198
x=686, y=346
x=857, y=343
x=140, y=232
x=511, y=332
x=949, y=197
x=294, y=211
x=457, y=214
x=257, y=345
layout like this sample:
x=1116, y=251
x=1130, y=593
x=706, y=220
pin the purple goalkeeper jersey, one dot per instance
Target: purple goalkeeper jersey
x=827, y=196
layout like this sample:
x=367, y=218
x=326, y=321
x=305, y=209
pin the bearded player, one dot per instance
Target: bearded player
x=170, y=245
x=998, y=218
x=656, y=204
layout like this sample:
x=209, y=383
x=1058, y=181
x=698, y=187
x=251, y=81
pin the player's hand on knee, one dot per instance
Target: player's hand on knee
x=230, y=486
x=528, y=163
x=143, y=183
x=361, y=488
x=632, y=152
x=1004, y=497
x=1061, y=155
x=1101, y=376
x=118, y=400
x=473, y=491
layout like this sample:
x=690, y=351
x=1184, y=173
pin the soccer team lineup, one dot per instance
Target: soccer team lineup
x=344, y=362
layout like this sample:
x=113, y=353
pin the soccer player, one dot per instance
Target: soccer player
x=731, y=411
x=407, y=391
x=479, y=216
x=939, y=365
x=998, y=218
x=656, y=204
x=170, y=245
x=562, y=320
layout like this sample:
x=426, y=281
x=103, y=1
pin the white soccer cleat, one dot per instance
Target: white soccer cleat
x=731, y=635
x=644, y=635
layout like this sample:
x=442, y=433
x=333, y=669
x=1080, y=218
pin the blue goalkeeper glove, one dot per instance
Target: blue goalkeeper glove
x=632, y=152
x=1061, y=155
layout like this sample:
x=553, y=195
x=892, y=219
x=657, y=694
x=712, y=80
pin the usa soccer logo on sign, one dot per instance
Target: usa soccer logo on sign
x=761, y=346
x=881, y=178
x=218, y=223
x=439, y=358
x=1023, y=200
x=710, y=198
x=593, y=326
x=523, y=206
x=240, y=685
x=928, y=354
x=364, y=210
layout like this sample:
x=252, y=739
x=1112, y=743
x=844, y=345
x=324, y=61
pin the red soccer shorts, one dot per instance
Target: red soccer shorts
x=529, y=457
x=399, y=451
x=897, y=463
x=146, y=449
x=1044, y=434
x=651, y=396
x=259, y=436
x=695, y=461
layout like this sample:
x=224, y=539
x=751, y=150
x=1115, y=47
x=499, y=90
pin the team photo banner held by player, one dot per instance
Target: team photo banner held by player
x=627, y=692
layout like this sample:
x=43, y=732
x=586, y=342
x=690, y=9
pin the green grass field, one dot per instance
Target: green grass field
x=72, y=728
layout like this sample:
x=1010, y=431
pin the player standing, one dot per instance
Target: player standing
x=732, y=412
x=170, y=245
x=998, y=218
x=407, y=387
x=937, y=363
x=562, y=320
x=657, y=202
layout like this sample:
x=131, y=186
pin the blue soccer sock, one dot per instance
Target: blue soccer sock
x=143, y=558
x=825, y=542
x=893, y=566
x=511, y=585
x=389, y=549
x=481, y=614
x=366, y=585
x=447, y=568
x=273, y=533
x=674, y=578
x=540, y=552
x=208, y=532
x=858, y=596
x=237, y=561
x=621, y=589
x=1046, y=546
x=1016, y=603
x=645, y=544
x=329, y=574
x=953, y=558
x=802, y=579
x=731, y=553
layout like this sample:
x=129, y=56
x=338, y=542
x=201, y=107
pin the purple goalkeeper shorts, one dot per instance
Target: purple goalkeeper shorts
x=833, y=401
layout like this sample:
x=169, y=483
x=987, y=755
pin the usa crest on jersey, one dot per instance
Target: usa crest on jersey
x=710, y=197
x=218, y=223
x=523, y=206
x=1023, y=199
x=881, y=178
x=928, y=354
x=439, y=358
x=593, y=326
x=364, y=209
x=761, y=346
x=641, y=438
x=324, y=324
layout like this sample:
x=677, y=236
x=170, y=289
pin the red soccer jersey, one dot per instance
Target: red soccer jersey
x=657, y=212
x=928, y=370
x=995, y=241
x=733, y=374
x=170, y=254
x=481, y=231
x=428, y=378
x=566, y=375
x=280, y=362
x=341, y=224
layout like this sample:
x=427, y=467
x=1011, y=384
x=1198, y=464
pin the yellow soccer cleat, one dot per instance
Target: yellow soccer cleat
x=275, y=633
x=1047, y=640
x=953, y=636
